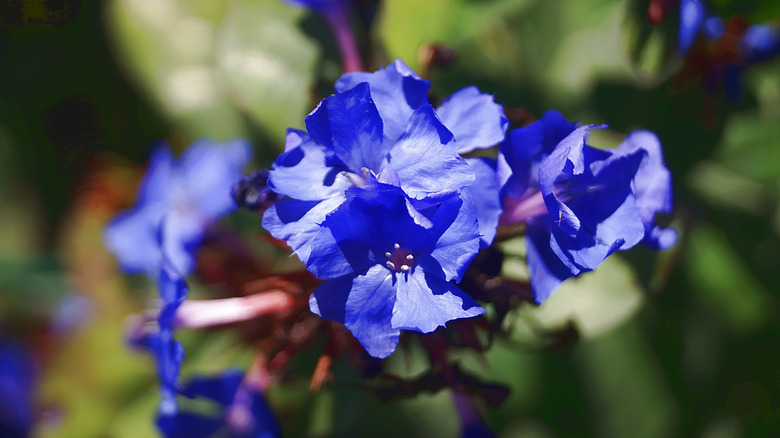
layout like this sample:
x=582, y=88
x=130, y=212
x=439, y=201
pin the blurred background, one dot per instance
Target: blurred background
x=681, y=343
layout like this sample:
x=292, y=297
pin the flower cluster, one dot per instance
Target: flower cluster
x=377, y=200
x=579, y=203
x=386, y=200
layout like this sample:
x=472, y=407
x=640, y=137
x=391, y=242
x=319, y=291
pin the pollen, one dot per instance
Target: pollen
x=399, y=259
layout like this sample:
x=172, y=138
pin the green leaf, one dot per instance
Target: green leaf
x=723, y=282
x=267, y=64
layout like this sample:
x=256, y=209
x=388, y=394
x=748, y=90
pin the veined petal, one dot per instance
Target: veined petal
x=364, y=304
x=474, y=118
x=456, y=231
x=483, y=194
x=349, y=124
x=425, y=163
x=546, y=268
x=397, y=91
x=652, y=186
x=298, y=222
x=307, y=173
x=425, y=302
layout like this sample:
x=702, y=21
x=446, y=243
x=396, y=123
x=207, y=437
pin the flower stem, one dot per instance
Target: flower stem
x=339, y=23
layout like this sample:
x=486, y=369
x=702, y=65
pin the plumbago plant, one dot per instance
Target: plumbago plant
x=395, y=207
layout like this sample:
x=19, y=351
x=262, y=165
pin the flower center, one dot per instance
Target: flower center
x=400, y=259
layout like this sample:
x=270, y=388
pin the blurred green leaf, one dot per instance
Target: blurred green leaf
x=628, y=395
x=723, y=282
x=267, y=64
x=202, y=63
x=595, y=301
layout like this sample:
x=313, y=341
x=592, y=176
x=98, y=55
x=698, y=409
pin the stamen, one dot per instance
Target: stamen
x=390, y=265
x=405, y=267
x=396, y=246
x=388, y=255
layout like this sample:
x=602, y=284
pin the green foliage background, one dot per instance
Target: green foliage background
x=683, y=343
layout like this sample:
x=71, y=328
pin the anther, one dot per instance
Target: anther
x=405, y=267
x=388, y=255
x=396, y=246
x=409, y=257
x=391, y=265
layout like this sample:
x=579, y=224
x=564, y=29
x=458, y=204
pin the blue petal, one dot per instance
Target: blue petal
x=298, y=222
x=308, y=173
x=425, y=163
x=349, y=124
x=456, y=231
x=524, y=148
x=425, y=302
x=133, y=238
x=181, y=233
x=188, y=425
x=546, y=268
x=474, y=118
x=652, y=187
x=591, y=204
x=397, y=92
x=364, y=304
x=208, y=170
x=691, y=18
x=483, y=194
x=759, y=43
x=158, y=178
x=18, y=369
x=220, y=388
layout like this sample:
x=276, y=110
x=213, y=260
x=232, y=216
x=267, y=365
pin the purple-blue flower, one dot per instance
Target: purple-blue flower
x=381, y=124
x=159, y=341
x=580, y=203
x=17, y=386
x=389, y=266
x=692, y=14
x=177, y=199
x=240, y=411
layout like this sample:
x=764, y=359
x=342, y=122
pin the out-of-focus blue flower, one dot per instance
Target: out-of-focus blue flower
x=691, y=18
x=17, y=385
x=183, y=195
x=167, y=351
x=240, y=412
x=319, y=5
x=389, y=265
x=580, y=203
x=759, y=43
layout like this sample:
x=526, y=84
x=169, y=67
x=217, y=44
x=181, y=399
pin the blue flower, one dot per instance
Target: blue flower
x=579, y=203
x=167, y=351
x=389, y=265
x=188, y=194
x=319, y=5
x=240, y=411
x=382, y=124
x=17, y=386
x=345, y=145
x=691, y=19
x=474, y=119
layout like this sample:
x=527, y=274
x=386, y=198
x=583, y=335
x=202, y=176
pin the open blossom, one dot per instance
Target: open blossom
x=388, y=265
x=382, y=124
x=177, y=199
x=579, y=203
x=240, y=411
